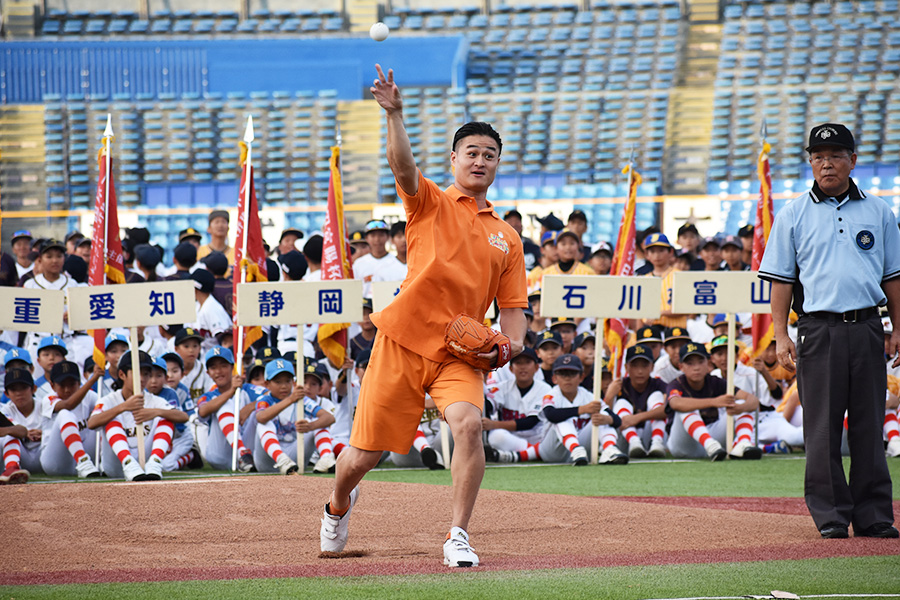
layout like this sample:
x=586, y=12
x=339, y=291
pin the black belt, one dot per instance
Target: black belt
x=851, y=316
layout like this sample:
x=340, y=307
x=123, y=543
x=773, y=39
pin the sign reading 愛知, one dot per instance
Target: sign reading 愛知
x=583, y=296
x=32, y=310
x=710, y=292
x=292, y=302
x=132, y=305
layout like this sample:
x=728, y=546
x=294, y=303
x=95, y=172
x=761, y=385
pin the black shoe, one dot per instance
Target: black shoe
x=719, y=455
x=833, y=531
x=196, y=460
x=94, y=475
x=430, y=458
x=878, y=530
x=490, y=454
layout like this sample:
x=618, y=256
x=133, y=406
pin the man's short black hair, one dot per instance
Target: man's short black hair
x=477, y=128
x=398, y=228
x=512, y=213
x=312, y=249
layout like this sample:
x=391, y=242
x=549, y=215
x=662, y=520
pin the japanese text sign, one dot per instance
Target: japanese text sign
x=581, y=296
x=383, y=293
x=32, y=310
x=132, y=305
x=293, y=302
x=709, y=292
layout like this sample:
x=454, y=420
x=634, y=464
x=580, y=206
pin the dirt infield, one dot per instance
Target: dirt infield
x=246, y=527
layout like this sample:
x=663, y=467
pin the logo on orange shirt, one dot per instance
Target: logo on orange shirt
x=496, y=240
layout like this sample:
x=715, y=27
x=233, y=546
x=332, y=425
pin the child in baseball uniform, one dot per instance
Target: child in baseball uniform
x=515, y=433
x=345, y=404
x=182, y=454
x=116, y=345
x=51, y=350
x=428, y=437
x=16, y=358
x=568, y=410
x=668, y=366
x=12, y=473
x=639, y=399
x=21, y=449
x=67, y=444
x=120, y=413
x=217, y=408
x=697, y=403
x=276, y=422
x=548, y=348
x=196, y=378
x=584, y=347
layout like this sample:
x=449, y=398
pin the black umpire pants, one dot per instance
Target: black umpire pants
x=840, y=367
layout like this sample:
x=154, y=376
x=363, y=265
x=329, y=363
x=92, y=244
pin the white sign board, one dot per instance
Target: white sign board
x=132, y=305
x=582, y=296
x=711, y=292
x=383, y=293
x=32, y=310
x=293, y=302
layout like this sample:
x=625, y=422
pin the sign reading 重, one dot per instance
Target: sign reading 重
x=706, y=292
x=581, y=296
x=132, y=305
x=293, y=302
x=32, y=310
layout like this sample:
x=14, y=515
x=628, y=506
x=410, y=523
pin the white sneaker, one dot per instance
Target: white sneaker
x=325, y=464
x=334, y=531
x=505, y=456
x=715, y=451
x=893, y=448
x=579, y=456
x=86, y=468
x=746, y=450
x=132, y=470
x=286, y=465
x=153, y=468
x=457, y=551
x=636, y=449
x=612, y=456
x=657, y=449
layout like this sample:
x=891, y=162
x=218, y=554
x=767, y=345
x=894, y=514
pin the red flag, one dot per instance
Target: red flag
x=106, y=264
x=763, y=331
x=623, y=265
x=253, y=265
x=335, y=260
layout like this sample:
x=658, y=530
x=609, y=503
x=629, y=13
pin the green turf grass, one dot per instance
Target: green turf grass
x=868, y=575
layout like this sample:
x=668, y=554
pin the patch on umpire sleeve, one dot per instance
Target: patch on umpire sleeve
x=865, y=239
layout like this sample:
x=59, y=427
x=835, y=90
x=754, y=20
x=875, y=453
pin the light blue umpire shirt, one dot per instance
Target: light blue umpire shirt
x=839, y=251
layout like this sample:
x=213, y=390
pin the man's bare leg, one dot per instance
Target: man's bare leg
x=467, y=466
x=352, y=466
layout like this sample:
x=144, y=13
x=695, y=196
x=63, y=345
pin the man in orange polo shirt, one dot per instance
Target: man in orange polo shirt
x=461, y=255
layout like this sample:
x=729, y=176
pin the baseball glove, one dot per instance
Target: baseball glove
x=466, y=338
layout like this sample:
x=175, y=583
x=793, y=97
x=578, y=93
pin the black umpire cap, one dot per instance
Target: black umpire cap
x=831, y=134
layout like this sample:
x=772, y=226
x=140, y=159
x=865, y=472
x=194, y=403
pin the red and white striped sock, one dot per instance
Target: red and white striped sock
x=162, y=438
x=68, y=430
x=226, y=424
x=891, y=424
x=185, y=460
x=693, y=424
x=570, y=441
x=118, y=441
x=419, y=442
x=743, y=428
x=657, y=428
x=323, y=442
x=609, y=439
x=338, y=448
x=530, y=453
x=12, y=453
x=623, y=408
x=270, y=443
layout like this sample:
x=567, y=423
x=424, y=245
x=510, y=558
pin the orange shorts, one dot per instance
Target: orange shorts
x=392, y=397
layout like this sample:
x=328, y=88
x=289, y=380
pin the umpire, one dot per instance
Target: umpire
x=836, y=252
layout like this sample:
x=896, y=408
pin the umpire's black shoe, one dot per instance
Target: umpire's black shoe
x=833, y=531
x=878, y=530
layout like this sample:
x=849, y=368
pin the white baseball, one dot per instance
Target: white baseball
x=379, y=32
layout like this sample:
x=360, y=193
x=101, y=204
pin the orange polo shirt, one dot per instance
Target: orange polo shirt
x=460, y=258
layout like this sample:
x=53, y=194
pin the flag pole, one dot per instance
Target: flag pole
x=107, y=140
x=239, y=363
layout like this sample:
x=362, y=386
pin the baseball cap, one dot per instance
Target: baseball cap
x=322, y=371
x=601, y=247
x=74, y=234
x=218, y=352
x=147, y=255
x=358, y=237
x=114, y=336
x=720, y=341
x=548, y=336
x=290, y=356
x=577, y=215
x=279, y=365
x=204, y=281
x=657, y=239
x=53, y=341
x=293, y=264
x=528, y=353
x=187, y=333
x=551, y=222
x=692, y=349
x=549, y=237
x=24, y=355
x=732, y=240
x=830, y=134
x=256, y=363
x=50, y=244
x=567, y=233
x=561, y=321
x=160, y=363
x=713, y=240
x=85, y=241
x=581, y=338
x=22, y=233
x=638, y=351
x=722, y=319
x=604, y=365
x=216, y=263
x=190, y=232
x=173, y=357
x=291, y=231
x=688, y=228
x=362, y=359
x=377, y=225
x=268, y=353
x=648, y=333
x=185, y=253
x=367, y=303
x=676, y=333
x=568, y=362
x=138, y=235
x=144, y=360
x=528, y=312
x=14, y=376
x=746, y=231
x=219, y=213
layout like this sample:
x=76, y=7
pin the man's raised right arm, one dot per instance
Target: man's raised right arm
x=399, y=149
